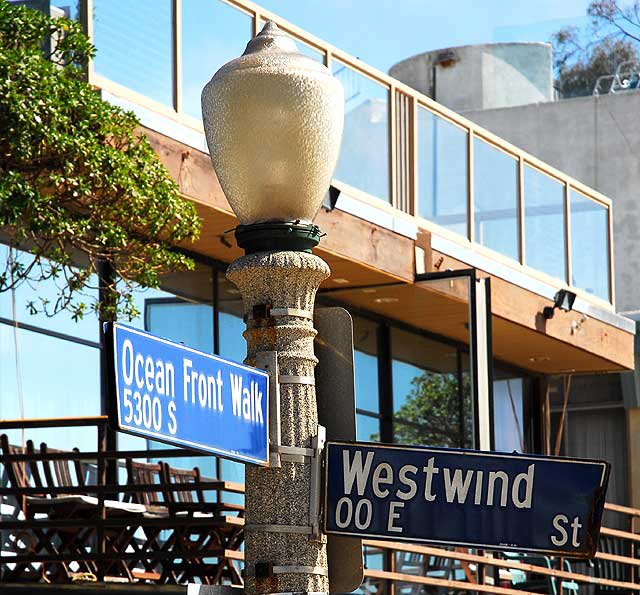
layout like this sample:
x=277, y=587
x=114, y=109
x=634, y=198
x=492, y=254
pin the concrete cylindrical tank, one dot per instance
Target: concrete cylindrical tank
x=477, y=77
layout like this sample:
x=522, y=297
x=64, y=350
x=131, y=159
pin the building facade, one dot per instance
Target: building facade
x=425, y=209
x=595, y=139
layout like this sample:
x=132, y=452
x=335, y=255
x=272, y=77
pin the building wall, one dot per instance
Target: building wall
x=597, y=141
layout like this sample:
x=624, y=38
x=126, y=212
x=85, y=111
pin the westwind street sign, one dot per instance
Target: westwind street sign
x=468, y=498
x=176, y=394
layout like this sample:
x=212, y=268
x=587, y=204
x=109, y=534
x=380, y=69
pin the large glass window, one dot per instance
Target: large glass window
x=134, y=42
x=17, y=304
x=508, y=414
x=593, y=425
x=365, y=359
x=431, y=395
x=364, y=154
x=589, y=245
x=232, y=346
x=42, y=376
x=495, y=183
x=69, y=8
x=213, y=33
x=442, y=172
x=49, y=366
x=544, y=225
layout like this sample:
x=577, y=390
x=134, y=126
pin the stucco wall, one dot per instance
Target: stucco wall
x=597, y=141
x=481, y=76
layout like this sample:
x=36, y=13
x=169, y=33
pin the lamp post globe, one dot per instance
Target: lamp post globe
x=273, y=120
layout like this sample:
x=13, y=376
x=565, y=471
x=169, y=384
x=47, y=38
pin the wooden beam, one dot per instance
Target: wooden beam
x=489, y=560
x=362, y=254
x=348, y=237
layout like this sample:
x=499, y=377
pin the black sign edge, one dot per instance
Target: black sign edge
x=472, y=452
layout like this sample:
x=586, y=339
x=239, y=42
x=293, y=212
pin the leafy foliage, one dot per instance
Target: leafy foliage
x=614, y=36
x=80, y=187
x=433, y=409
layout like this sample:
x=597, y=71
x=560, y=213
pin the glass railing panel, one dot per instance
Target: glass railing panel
x=443, y=176
x=544, y=225
x=134, y=45
x=212, y=34
x=310, y=51
x=51, y=378
x=495, y=179
x=303, y=46
x=589, y=245
x=364, y=155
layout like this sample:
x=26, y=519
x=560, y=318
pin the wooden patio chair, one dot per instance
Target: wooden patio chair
x=146, y=474
x=51, y=540
x=210, y=535
x=141, y=474
x=66, y=543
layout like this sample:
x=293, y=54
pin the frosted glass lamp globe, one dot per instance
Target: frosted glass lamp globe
x=273, y=120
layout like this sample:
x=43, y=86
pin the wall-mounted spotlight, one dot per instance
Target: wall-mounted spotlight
x=563, y=300
x=331, y=198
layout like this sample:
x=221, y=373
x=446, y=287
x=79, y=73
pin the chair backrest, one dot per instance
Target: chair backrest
x=16, y=470
x=410, y=563
x=144, y=474
x=57, y=472
x=187, y=479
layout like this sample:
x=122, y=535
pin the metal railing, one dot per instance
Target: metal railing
x=401, y=151
x=625, y=78
x=390, y=568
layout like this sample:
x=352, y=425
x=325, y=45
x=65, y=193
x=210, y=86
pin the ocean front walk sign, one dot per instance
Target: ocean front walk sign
x=176, y=394
x=468, y=498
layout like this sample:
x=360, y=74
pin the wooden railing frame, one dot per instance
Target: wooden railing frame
x=417, y=99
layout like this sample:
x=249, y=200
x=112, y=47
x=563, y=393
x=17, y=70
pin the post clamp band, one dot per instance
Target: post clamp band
x=291, y=312
x=300, y=570
x=299, y=529
x=282, y=379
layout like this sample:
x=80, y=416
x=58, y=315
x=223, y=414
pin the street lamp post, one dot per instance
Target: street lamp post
x=273, y=120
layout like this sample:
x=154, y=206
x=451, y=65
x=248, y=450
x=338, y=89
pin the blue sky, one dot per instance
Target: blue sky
x=383, y=32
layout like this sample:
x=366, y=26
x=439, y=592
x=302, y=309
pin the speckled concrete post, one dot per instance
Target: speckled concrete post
x=281, y=496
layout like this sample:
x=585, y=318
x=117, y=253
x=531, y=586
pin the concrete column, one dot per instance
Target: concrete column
x=281, y=496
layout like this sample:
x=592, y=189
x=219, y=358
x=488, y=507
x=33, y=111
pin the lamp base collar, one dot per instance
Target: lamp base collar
x=278, y=236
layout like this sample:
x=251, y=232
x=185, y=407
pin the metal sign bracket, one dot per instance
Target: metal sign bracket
x=316, y=480
x=268, y=361
x=293, y=454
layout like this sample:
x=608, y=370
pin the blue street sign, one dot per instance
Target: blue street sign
x=468, y=498
x=186, y=397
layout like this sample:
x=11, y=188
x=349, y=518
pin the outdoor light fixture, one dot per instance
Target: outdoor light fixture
x=273, y=120
x=563, y=300
x=331, y=198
